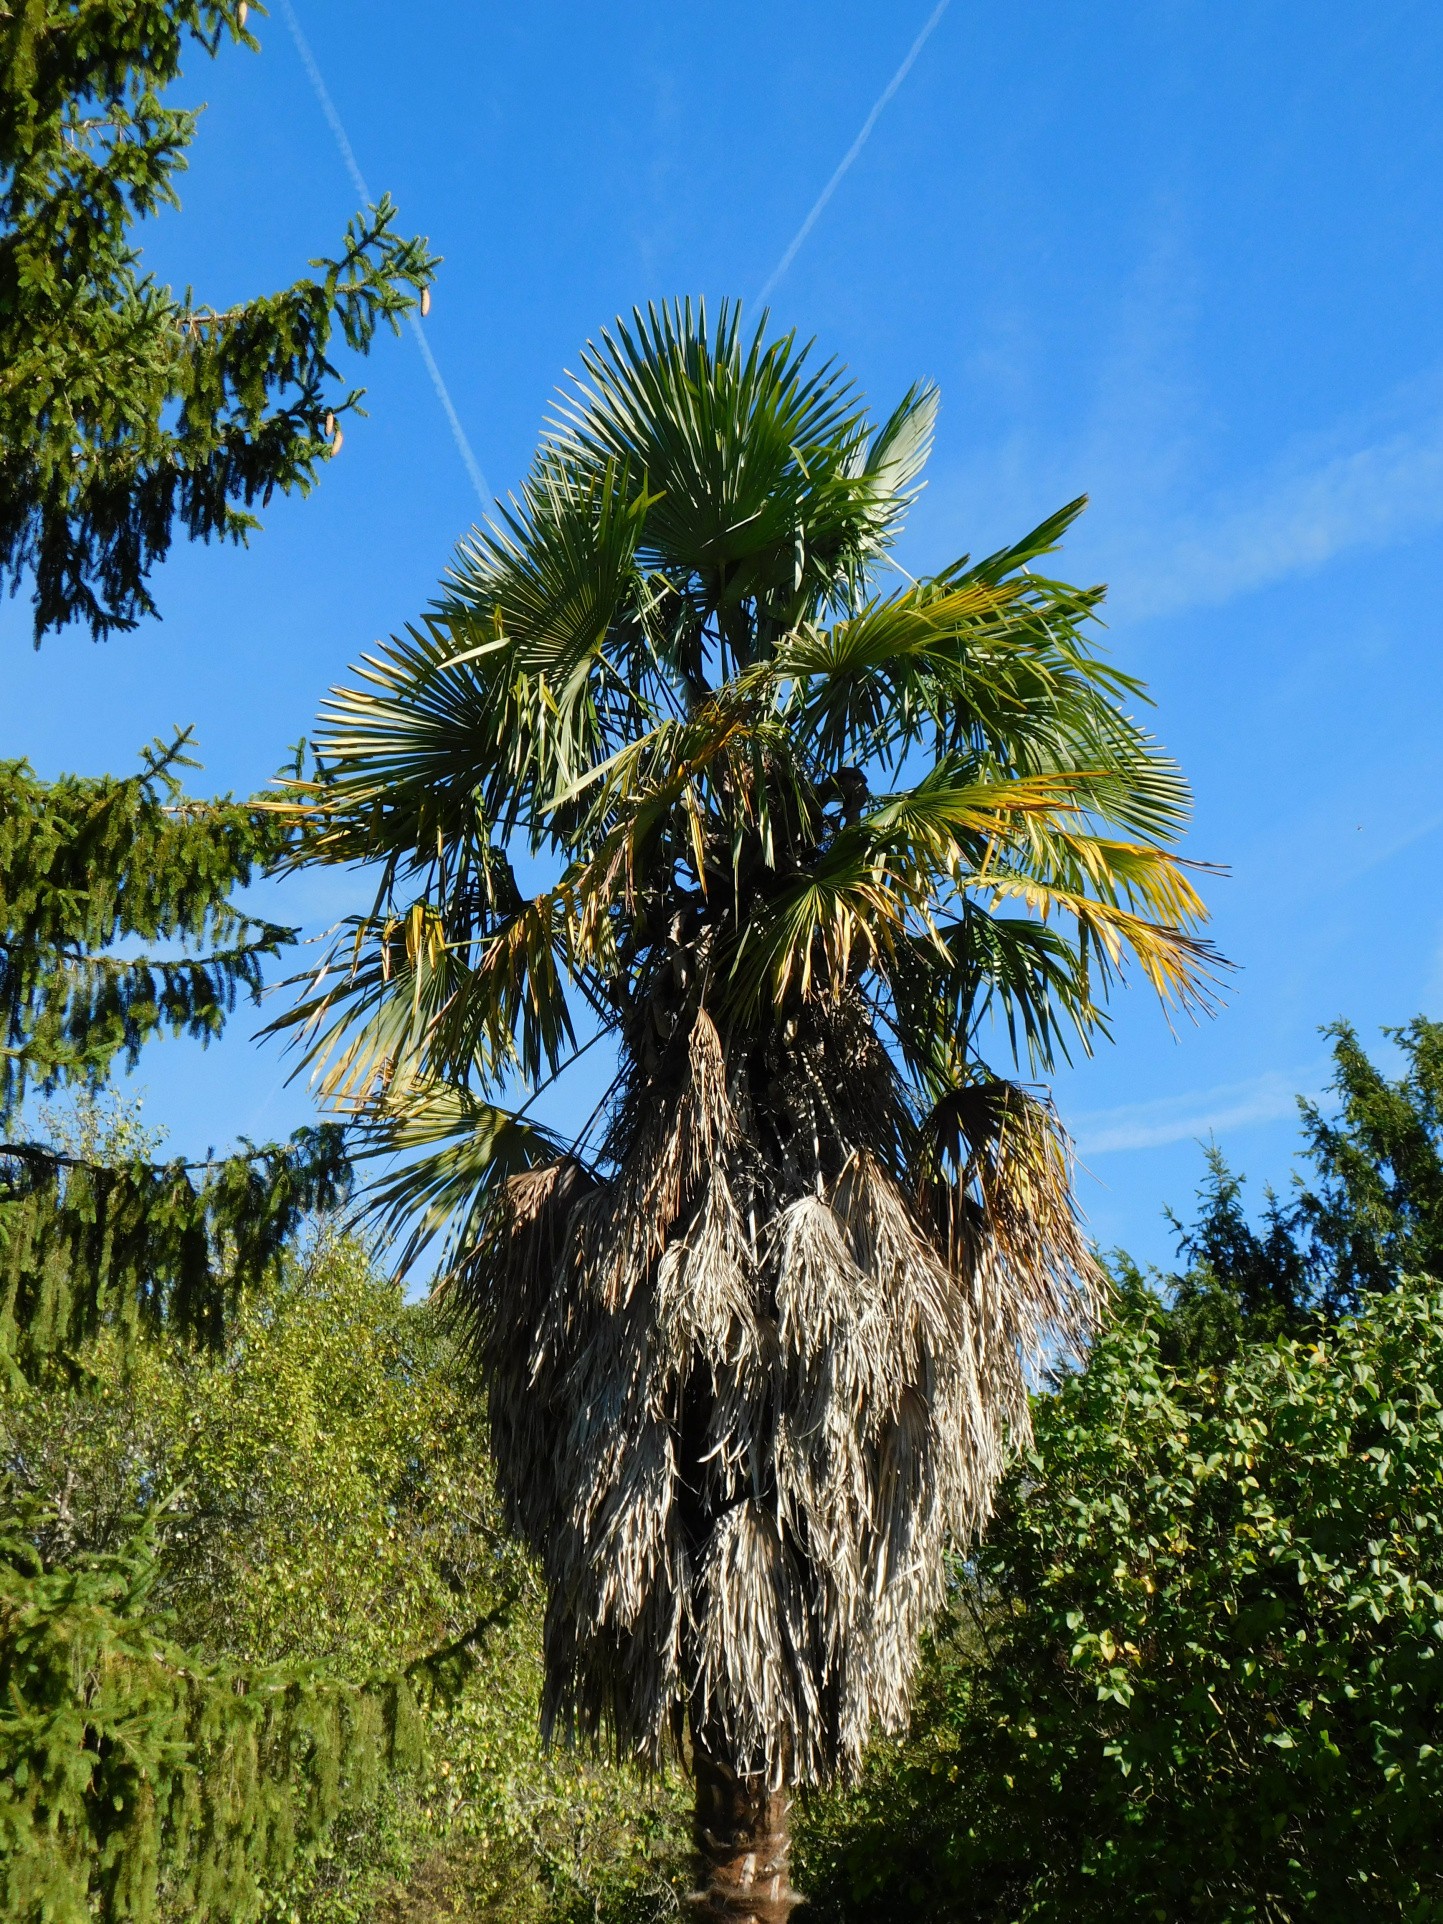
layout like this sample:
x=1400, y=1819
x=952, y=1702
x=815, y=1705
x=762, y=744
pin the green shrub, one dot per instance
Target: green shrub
x=1199, y=1672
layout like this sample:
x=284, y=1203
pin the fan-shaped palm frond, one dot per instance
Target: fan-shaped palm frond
x=796, y=843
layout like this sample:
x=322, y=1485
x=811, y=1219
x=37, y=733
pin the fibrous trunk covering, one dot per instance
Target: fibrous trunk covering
x=745, y=1391
x=743, y=1845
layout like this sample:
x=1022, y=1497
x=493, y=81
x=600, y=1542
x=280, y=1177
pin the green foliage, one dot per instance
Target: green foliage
x=126, y=410
x=88, y=866
x=324, y=1468
x=131, y=1771
x=506, y=1832
x=314, y=1525
x=670, y=672
x=142, y=1245
x=1369, y=1211
x=1211, y=1607
x=89, y=862
x=135, y=1772
x=330, y=1504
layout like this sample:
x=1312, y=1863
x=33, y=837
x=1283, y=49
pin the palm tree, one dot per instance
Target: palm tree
x=757, y=1335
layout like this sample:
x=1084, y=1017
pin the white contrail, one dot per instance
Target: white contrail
x=358, y=181
x=852, y=152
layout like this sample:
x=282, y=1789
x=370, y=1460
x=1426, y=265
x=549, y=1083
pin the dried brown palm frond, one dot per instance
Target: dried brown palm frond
x=741, y=1417
x=995, y=1188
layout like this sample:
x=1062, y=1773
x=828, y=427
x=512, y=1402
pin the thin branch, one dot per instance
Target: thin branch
x=36, y=1152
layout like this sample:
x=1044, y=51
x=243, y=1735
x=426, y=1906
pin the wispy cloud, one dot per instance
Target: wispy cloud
x=1167, y=534
x=1291, y=522
x=1190, y=1117
x=1354, y=489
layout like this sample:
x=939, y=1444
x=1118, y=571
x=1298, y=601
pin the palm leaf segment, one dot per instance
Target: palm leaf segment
x=754, y=1358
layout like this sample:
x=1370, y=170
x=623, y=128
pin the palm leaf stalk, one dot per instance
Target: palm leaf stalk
x=758, y=1353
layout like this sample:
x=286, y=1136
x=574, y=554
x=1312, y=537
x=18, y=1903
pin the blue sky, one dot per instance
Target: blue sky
x=1184, y=257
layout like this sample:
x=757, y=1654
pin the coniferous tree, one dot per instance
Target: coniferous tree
x=1367, y=1211
x=128, y=1766
x=127, y=413
x=126, y=410
x=257, y=1652
x=86, y=864
x=134, y=1772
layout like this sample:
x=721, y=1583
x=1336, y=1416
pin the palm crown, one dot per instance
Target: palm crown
x=757, y=1352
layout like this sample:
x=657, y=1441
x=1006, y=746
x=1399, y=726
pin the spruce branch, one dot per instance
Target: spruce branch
x=143, y=1246
x=126, y=412
x=87, y=864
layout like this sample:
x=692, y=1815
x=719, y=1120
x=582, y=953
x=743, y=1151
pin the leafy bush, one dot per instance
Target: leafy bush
x=1210, y=1613
x=324, y=1477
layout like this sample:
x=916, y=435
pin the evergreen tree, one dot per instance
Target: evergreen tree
x=259, y=1647
x=334, y=1507
x=133, y=1772
x=1369, y=1212
x=128, y=1766
x=86, y=864
x=127, y=410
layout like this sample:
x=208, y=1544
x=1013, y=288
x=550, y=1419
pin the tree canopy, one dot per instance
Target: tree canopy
x=89, y=863
x=231, y=1583
x=1368, y=1212
x=327, y=1517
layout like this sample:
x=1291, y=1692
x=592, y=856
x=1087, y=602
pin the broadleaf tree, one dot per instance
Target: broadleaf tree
x=189, y=1707
x=757, y=1336
x=1193, y=1669
x=128, y=411
x=333, y=1517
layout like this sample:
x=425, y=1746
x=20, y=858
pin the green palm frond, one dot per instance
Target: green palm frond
x=457, y=1153
x=1027, y=973
x=899, y=450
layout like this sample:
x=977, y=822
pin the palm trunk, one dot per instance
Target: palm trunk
x=743, y=1845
